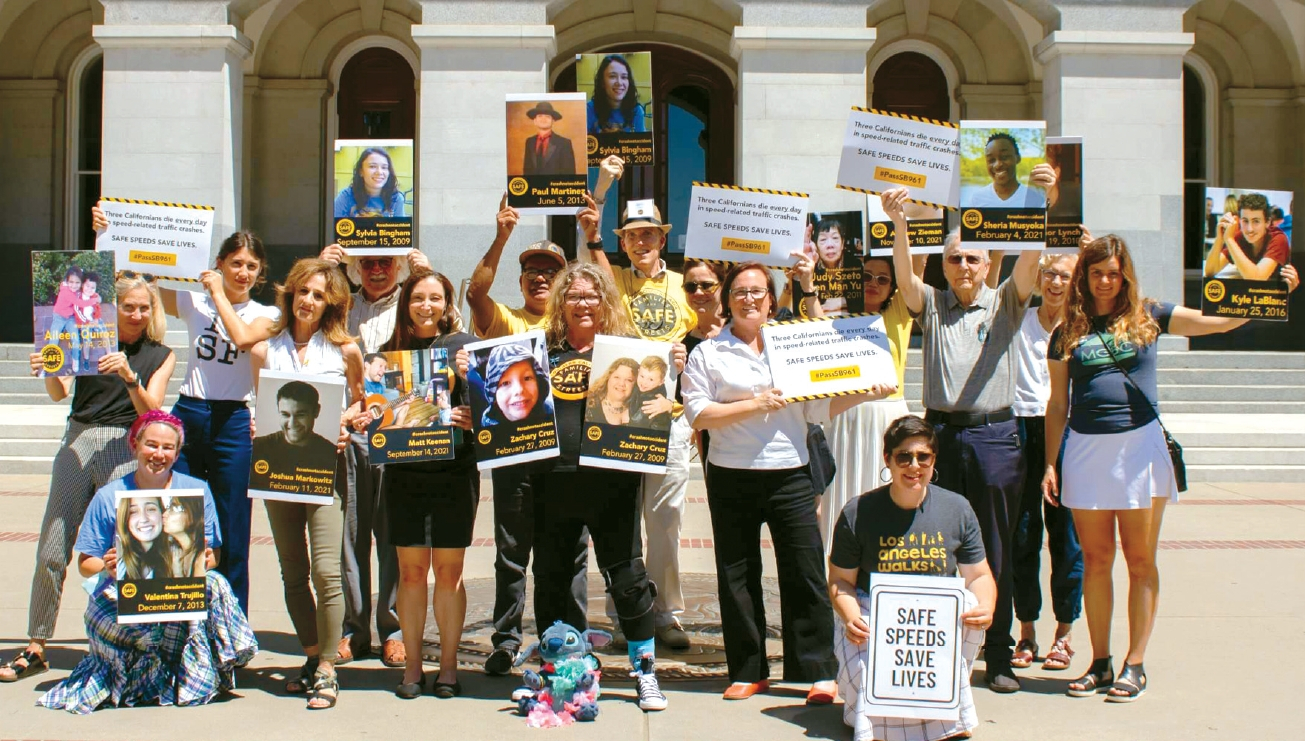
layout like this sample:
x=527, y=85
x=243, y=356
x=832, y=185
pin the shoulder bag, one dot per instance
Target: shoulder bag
x=1175, y=450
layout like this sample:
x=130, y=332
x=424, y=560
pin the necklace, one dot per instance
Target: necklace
x=615, y=408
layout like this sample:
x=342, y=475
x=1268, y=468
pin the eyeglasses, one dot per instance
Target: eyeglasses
x=132, y=275
x=968, y=259
x=545, y=273
x=756, y=294
x=905, y=459
x=1053, y=275
x=706, y=286
x=374, y=263
x=176, y=506
x=589, y=299
x=879, y=280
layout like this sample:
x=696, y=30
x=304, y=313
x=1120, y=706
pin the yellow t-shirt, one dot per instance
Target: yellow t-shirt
x=509, y=321
x=897, y=325
x=657, y=306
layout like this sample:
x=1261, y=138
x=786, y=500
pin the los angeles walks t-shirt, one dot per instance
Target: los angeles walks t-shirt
x=874, y=535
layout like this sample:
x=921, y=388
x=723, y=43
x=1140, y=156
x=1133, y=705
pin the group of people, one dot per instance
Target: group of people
x=1031, y=411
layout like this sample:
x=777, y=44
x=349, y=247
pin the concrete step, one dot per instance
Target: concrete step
x=1216, y=359
x=1260, y=474
x=30, y=385
x=1232, y=407
x=1250, y=393
x=44, y=447
x=23, y=464
x=1241, y=456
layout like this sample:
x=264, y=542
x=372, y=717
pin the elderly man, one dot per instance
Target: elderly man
x=371, y=318
x=969, y=388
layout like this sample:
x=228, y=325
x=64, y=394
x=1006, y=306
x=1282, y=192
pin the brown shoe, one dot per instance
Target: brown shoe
x=744, y=690
x=343, y=652
x=393, y=654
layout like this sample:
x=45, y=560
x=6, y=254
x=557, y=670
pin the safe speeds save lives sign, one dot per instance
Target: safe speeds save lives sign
x=734, y=224
x=914, y=666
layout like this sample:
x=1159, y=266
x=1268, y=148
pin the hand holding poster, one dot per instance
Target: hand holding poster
x=1003, y=206
x=298, y=421
x=411, y=405
x=926, y=231
x=161, y=556
x=734, y=224
x=884, y=150
x=168, y=240
x=511, y=401
x=815, y=358
x=1246, y=249
x=914, y=667
x=546, y=171
x=619, y=92
x=1065, y=209
x=373, y=215
x=74, y=311
x=628, y=412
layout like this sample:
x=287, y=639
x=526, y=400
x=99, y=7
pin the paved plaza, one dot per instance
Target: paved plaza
x=1224, y=662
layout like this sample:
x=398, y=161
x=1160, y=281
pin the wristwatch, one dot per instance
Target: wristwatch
x=134, y=383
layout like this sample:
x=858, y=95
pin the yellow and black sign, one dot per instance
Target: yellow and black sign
x=633, y=445
x=634, y=147
x=383, y=232
x=1005, y=226
x=547, y=191
x=161, y=600
x=52, y=358
x=921, y=233
x=1245, y=299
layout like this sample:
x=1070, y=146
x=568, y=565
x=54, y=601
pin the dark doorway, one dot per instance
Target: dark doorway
x=378, y=97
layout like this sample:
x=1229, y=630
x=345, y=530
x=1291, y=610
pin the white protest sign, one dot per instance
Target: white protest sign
x=734, y=224
x=168, y=240
x=815, y=358
x=914, y=666
x=888, y=150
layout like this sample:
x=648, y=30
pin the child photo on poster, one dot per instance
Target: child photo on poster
x=373, y=185
x=512, y=413
x=618, y=88
x=297, y=417
x=1246, y=249
x=74, y=310
x=162, y=553
x=629, y=405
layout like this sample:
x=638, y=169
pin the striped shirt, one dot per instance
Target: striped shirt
x=373, y=321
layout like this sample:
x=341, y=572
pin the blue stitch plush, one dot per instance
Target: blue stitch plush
x=565, y=689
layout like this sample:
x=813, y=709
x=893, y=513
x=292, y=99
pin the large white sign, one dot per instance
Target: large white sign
x=733, y=224
x=168, y=240
x=914, y=667
x=815, y=358
x=887, y=150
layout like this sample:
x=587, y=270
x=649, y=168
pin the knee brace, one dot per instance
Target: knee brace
x=631, y=591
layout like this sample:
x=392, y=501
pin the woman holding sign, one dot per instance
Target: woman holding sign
x=173, y=663
x=431, y=505
x=757, y=472
x=312, y=337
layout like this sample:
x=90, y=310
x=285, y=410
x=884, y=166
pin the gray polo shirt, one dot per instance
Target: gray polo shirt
x=967, y=351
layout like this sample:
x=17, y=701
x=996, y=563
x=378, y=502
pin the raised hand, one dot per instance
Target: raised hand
x=506, y=219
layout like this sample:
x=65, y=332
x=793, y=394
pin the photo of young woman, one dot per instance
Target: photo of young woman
x=374, y=189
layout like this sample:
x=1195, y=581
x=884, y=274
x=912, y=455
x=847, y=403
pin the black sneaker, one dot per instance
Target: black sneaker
x=1001, y=679
x=500, y=661
x=650, y=693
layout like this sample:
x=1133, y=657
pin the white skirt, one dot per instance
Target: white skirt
x=856, y=439
x=1120, y=470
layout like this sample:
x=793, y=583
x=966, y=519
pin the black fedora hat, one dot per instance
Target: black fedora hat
x=544, y=107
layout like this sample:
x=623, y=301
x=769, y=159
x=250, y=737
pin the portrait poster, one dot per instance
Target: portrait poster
x=1000, y=210
x=160, y=544
x=1065, y=211
x=833, y=239
x=914, y=665
x=511, y=400
x=618, y=106
x=410, y=399
x=74, y=310
x=297, y=422
x=730, y=223
x=883, y=150
x=628, y=406
x=166, y=240
x=1247, y=243
x=926, y=230
x=546, y=159
x=819, y=358
x=374, y=193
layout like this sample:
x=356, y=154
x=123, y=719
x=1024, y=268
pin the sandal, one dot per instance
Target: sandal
x=1059, y=656
x=1026, y=651
x=1100, y=676
x=33, y=664
x=325, y=687
x=304, y=682
x=1130, y=685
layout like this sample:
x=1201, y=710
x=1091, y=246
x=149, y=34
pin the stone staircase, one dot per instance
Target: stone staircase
x=1240, y=416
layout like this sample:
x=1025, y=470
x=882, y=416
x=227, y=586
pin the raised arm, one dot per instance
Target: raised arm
x=145, y=398
x=994, y=268
x=244, y=335
x=1025, y=274
x=590, y=218
x=56, y=387
x=482, y=277
x=909, y=285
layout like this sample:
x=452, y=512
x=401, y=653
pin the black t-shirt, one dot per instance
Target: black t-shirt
x=464, y=454
x=569, y=376
x=874, y=535
x=104, y=400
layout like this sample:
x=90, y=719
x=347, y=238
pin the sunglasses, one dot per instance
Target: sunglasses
x=706, y=286
x=878, y=280
x=132, y=275
x=967, y=259
x=905, y=459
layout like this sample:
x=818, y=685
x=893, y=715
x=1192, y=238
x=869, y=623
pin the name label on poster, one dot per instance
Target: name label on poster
x=926, y=237
x=1245, y=299
x=816, y=358
x=913, y=670
x=1014, y=228
x=883, y=151
x=733, y=224
x=161, y=600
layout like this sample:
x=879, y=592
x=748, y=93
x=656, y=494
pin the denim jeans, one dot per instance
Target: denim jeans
x=1035, y=514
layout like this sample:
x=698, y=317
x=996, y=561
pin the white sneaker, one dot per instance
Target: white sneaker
x=650, y=693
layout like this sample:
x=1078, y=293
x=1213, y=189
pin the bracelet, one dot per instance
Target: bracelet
x=804, y=294
x=595, y=245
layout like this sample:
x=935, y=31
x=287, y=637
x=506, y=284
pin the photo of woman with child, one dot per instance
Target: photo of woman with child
x=632, y=393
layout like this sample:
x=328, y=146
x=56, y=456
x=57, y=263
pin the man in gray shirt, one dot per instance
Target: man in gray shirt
x=968, y=332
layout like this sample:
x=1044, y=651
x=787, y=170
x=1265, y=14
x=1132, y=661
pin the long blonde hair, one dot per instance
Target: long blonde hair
x=335, y=319
x=1129, y=320
x=157, y=329
x=613, y=317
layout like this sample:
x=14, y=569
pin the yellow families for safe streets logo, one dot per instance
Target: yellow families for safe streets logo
x=518, y=186
x=344, y=227
x=484, y=437
x=260, y=467
x=51, y=358
x=595, y=433
x=1215, y=291
x=972, y=219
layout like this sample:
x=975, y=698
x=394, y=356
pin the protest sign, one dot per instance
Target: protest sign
x=914, y=666
x=160, y=545
x=409, y=397
x=373, y=187
x=816, y=358
x=926, y=231
x=1000, y=210
x=167, y=240
x=1065, y=214
x=883, y=150
x=74, y=310
x=1246, y=247
x=833, y=240
x=730, y=223
x=618, y=89
x=298, y=420
x=628, y=411
x=546, y=171
x=511, y=400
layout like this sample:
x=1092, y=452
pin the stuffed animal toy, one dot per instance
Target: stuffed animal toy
x=566, y=687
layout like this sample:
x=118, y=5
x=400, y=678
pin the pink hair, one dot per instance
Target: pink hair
x=155, y=416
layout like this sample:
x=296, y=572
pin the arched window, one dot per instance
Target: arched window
x=912, y=83
x=85, y=127
x=377, y=97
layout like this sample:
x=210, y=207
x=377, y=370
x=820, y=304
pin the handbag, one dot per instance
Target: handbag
x=1175, y=450
x=821, y=457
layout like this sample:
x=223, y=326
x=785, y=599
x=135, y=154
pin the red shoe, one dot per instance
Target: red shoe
x=744, y=690
x=822, y=693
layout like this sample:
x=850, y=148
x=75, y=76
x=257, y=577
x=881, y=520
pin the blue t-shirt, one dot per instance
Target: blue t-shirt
x=1102, y=399
x=615, y=116
x=98, y=526
x=345, y=205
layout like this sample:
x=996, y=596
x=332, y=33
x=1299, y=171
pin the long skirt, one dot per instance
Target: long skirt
x=856, y=438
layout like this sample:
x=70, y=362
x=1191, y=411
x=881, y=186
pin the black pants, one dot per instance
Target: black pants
x=1062, y=539
x=740, y=501
x=514, y=536
x=607, y=503
x=985, y=465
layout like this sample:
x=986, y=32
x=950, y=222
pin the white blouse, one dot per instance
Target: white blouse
x=322, y=357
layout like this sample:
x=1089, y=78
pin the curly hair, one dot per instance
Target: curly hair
x=598, y=389
x=404, y=332
x=1128, y=320
x=613, y=316
x=335, y=319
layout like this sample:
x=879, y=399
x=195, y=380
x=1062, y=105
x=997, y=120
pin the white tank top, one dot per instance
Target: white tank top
x=321, y=358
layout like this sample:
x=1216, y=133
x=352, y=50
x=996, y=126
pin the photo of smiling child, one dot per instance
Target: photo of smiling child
x=629, y=405
x=511, y=400
x=69, y=325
